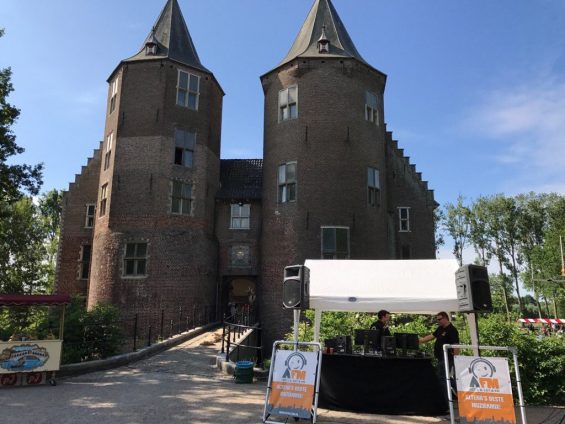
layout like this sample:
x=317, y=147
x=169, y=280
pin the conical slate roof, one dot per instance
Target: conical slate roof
x=173, y=40
x=322, y=18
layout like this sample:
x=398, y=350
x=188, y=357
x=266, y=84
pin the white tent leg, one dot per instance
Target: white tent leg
x=472, y=322
x=317, y=321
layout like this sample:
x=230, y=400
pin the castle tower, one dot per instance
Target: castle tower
x=153, y=246
x=324, y=159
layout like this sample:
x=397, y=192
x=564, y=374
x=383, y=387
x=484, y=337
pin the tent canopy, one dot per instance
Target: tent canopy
x=401, y=286
x=34, y=299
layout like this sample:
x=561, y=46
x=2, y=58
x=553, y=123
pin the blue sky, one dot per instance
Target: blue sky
x=475, y=92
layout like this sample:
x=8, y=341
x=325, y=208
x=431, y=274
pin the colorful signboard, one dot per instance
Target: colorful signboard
x=293, y=384
x=484, y=391
x=30, y=356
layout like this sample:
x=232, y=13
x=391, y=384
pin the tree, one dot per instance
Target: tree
x=50, y=206
x=13, y=178
x=457, y=224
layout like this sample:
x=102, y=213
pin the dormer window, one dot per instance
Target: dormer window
x=323, y=42
x=151, y=49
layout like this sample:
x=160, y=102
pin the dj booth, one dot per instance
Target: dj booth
x=380, y=385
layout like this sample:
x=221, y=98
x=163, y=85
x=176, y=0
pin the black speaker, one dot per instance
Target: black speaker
x=296, y=281
x=473, y=289
x=343, y=344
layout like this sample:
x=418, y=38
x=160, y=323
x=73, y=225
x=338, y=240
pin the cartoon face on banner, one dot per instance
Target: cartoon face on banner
x=484, y=390
x=294, y=379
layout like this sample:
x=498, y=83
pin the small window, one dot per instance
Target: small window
x=240, y=214
x=103, y=199
x=181, y=198
x=404, y=219
x=287, y=182
x=371, y=108
x=288, y=103
x=90, y=213
x=335, y=242
x=108, y=154
x=113, y=95
x=188, y=90
x=373, y=187
x=184, y=147
x=85, y=254
x=240, y=256
x=135, y=260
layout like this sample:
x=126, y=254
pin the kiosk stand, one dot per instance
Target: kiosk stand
x=28, y=361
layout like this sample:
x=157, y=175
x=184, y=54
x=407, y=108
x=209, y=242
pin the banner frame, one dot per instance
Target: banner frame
x=296, y=344
x=511, y=349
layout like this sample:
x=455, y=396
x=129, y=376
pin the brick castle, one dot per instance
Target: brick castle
x=157, y=221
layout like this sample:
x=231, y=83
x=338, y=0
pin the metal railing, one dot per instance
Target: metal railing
x=246, y=338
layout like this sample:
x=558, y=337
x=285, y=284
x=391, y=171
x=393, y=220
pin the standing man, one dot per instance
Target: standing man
x=382, y=322
x=446, y=333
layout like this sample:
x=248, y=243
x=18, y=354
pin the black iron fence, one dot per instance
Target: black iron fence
x=241, y=337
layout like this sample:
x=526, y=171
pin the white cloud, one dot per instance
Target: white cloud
x=528, y=119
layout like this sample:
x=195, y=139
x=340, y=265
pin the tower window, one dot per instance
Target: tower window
x=184, y=147
x=113, y=95
x=103, y=199
x=135, y=260
x=240, y=214
x=108, y=154
x=181, y=198
x=287, y=182
x=85, y=254
x=188, y=90
x=373, y=187
x=90, y=212
x=335, y=242
x=371, y=108
x=288, y=103
x=404, y=219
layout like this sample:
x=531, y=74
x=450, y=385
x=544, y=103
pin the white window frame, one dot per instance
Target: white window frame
x=373, y=186
x=188, y=91
x=324, y=253
x=89, y=218
x=108, y=154
x=404, y=222
x=137, y=259
x=183, y=199
x=284, y=185
x=285, y=104
x=187, y=145
x=372, y=108
x=113, y=95
x=103, y=199
x=240, y=216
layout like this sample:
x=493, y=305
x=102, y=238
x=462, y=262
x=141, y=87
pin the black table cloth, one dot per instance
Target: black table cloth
x=392, y=386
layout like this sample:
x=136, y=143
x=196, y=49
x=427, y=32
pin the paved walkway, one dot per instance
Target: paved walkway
x=181, y=385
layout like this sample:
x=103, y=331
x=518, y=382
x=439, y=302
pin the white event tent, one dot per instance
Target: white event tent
x=399, y=286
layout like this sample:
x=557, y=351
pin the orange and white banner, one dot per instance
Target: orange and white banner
x=293, y=384
x=484, y=391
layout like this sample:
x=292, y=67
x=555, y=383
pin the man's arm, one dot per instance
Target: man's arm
x=426, y=339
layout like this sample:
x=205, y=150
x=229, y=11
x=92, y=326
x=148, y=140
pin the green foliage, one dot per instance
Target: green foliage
x=102, y=334
x=522, y=233
x=13, y=177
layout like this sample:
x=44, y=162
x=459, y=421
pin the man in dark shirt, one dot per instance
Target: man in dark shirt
x=446, y=333
x=382, y=323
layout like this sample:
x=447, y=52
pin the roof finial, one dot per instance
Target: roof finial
x=323, y=42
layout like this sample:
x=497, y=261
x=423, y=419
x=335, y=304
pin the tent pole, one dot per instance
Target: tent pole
x=317, y=321
x=296, y=322
x=474, y=332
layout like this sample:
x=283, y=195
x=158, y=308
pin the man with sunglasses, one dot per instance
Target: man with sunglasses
x=446, y=333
